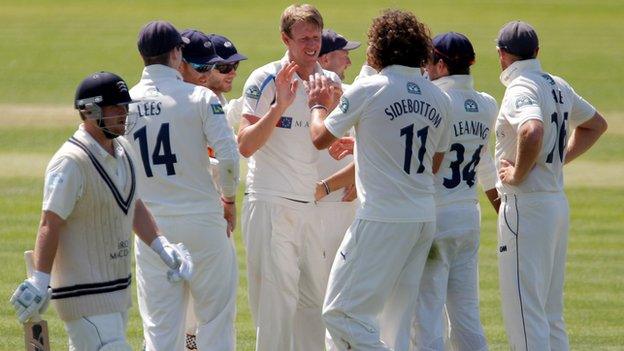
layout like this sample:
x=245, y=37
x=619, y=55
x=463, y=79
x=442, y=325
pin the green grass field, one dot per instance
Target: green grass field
x=49, y=46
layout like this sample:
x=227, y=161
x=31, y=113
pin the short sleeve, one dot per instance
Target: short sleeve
x=348, y=112
x=62, y=187
x=581, y=110
x=522, y=105
x=258, y=94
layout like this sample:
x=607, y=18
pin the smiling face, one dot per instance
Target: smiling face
x=304, y=43
x=220, y=82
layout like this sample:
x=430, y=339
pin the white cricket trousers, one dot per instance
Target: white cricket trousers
x=532, y=244
x=336, y=218
x=285, y=266
x=163, y=305
x=91, y=333
x=373, y=284
x=451, y=280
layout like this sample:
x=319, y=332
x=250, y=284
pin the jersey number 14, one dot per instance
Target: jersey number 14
x=162, y=154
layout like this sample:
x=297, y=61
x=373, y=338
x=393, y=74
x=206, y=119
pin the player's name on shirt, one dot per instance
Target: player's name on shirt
x=149, y=108
x=471, y=127
x=413, y=106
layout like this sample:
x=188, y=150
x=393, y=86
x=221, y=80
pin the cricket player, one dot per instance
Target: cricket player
x=222, y=53
x=401, y=125
x=90, y=208
x=177, y=122
x=450, y=278
x=280, y=223
x=542, y=125
x=221, y=77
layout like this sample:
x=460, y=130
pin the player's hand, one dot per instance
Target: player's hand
x=285, y=86
x=341, y=148
x=176, y=257
x=322, y=92
x=349, y=194
x=229, y=213
x=507, y=172
x=29, y=300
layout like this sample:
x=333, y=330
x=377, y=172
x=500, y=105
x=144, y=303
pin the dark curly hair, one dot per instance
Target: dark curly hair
x=398, y=38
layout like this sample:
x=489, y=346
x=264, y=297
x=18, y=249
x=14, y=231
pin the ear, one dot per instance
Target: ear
x=285, y=38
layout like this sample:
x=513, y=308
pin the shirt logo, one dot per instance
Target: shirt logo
x=344, y=104
x=471, y=106
x=217, y=109
x=525, y=101
x=413, y=88
x=253, y=92
x=285, y=122
x=549, y=79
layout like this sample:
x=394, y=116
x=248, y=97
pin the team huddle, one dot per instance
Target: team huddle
x=369, y=245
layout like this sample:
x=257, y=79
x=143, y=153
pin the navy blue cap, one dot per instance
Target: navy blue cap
x=454, y=47
x=225, y=49
x=332, y=41
x=158, y=37
x=200, y=49
x=103, y=89
x=518, y=38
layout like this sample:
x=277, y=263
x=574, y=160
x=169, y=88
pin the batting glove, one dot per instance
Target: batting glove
x=176, y=257
x=31, y=298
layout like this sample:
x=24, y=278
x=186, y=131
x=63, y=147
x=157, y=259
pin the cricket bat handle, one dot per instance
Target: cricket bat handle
x=29, y=258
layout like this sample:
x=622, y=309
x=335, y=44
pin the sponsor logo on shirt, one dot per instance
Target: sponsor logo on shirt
x=525, y=101
x=253, y=92
x=471, y=106
x=413, y=88
x=285, y=122
x=344, y=104
x=549, y=79
x=217, y=109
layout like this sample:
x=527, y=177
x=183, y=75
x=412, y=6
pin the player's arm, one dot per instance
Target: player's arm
x=254, y=131
x=341, y=179
x=438, y=157
x=530, y=137
x=584, y=136
x=321, y=97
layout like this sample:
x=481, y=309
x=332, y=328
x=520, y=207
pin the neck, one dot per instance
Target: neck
x=99, y=136
x=305, y=72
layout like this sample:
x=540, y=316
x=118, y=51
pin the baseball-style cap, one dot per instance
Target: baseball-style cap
x=159, y=37
x=225, y=49
x=332, y=41
x=518, y=38
x=454, y=47
x=199, y=49
x=103, y=89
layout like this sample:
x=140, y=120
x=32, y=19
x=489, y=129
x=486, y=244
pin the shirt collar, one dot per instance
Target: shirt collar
x=160, y=71
x=93, y=145
x=518, y=68
x=404, y=70
x=458, y=81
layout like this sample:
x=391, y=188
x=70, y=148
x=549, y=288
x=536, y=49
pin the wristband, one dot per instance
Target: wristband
x=327, y=190
x=318, y=106
x=225, y=201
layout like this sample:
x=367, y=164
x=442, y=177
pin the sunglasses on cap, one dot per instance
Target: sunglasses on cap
x=225, y=68
x=200, y=68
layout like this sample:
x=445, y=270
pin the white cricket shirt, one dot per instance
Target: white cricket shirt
x=63, y=184
x=286, y=164
x=177, y=122
x=534, y=94
x=401, y=120
x=467, y=161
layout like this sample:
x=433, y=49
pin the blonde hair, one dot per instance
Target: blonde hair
x=300, y=13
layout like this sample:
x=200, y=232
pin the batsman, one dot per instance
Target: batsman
x=90, y=208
